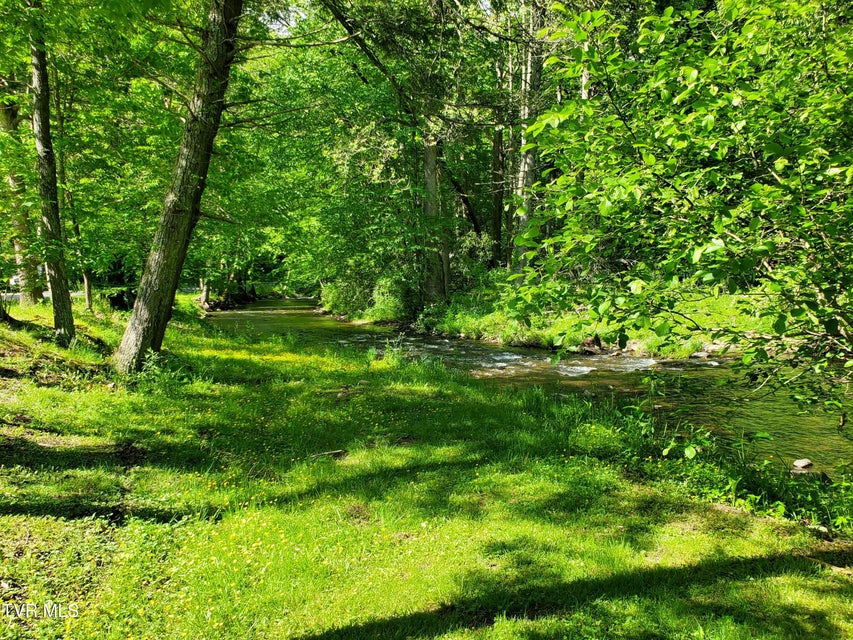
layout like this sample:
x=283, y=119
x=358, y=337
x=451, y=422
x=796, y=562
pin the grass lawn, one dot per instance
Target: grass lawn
x=259, y=488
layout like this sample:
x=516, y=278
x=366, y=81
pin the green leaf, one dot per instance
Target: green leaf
x=697, y=254
x=690, y=74
x=773, y=148
x=831, y=326
x=765, y=248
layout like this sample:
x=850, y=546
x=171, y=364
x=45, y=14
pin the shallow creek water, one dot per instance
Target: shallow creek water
x=704, y=393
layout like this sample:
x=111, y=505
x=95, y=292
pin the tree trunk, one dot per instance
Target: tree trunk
x=204, y=297
x=181, y=208
x=25, y=261
x=87, y=289
x=67, y=202
x=531, y=85
x=8, y=320
x=63, y=320
x=445, y=216
x=434, y=282
x=497, y=194
x=87, y=272
x=464, y=198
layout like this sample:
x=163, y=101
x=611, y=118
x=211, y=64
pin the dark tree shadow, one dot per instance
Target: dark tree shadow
x=73, y=508
x=68, y=493
x=531, y=591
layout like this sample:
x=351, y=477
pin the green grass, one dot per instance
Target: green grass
x=203, y=499
x=480, y=315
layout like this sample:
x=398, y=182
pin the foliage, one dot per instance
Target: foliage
x=345, y=296
x=711, y=154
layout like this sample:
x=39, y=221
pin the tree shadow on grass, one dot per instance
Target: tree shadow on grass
x=505, y=433
x=114, y=511
x=442, y=457
x=57, y=455
x=85, y=480
x=532, y=591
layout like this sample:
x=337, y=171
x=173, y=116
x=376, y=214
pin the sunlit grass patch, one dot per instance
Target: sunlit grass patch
x=259, y=488
x=697, y=316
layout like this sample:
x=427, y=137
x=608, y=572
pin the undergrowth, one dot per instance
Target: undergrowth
x=483, y=314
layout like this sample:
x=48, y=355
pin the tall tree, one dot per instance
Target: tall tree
x=418, y=47
x=63, y=100
x=182, y=205
x=15, y=161
x=435, y=283
x=531, y=87
x=26, y=261
x=63, y=320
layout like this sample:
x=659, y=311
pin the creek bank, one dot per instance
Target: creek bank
x=690, y=394
x=483, y=317
x=233, y=458
x=546, y=337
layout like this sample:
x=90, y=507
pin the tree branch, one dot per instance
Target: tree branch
x=286, y=43
x=184, y=99
x=463, y=196
x=355, y=35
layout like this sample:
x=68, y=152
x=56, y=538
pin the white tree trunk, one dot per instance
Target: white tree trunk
x=531, y=87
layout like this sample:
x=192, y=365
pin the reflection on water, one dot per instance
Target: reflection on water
x=705, y=393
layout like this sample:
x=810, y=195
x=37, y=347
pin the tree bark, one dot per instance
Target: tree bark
x=531, y=86
x=26, y=262
x=464, y=198
x=63, y=319
x=434, y=290
x=181, y=208
x=66, y=203
x=444, y=231
x=204, y=297
x=497, y=195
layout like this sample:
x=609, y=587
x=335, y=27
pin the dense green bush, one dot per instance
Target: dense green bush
x=347, y=297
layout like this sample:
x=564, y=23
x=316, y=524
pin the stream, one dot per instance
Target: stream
x=701, y=392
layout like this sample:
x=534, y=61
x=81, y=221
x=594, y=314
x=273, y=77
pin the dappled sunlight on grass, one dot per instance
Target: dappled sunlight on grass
x=258, y=489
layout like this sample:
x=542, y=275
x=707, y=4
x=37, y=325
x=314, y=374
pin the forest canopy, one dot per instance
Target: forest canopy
x=608, y=161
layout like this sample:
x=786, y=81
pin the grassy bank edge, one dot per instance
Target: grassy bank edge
x=603, y=447
x=483, y=316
